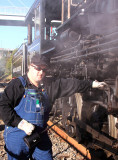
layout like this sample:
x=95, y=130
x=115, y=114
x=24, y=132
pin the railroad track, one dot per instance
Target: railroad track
x=62, y=150
x=84, y=151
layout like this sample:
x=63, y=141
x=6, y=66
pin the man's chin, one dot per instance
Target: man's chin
x=39, y=78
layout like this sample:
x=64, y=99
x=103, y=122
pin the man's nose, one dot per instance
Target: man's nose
x=41, y=71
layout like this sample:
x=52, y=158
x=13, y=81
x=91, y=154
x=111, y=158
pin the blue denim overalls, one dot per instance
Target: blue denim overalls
x=33, y=107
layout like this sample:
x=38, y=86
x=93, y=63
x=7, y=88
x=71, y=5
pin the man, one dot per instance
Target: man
x=25, y=106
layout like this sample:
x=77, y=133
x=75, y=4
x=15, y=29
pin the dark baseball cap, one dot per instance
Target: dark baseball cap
x=39, y=60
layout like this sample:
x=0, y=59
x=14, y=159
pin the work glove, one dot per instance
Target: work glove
x=26, y=126
x=97, y=84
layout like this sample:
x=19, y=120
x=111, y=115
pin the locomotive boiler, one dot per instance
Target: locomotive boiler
x=80, y=39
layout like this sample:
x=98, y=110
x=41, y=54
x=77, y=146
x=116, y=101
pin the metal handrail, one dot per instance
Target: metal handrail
x=12, y=10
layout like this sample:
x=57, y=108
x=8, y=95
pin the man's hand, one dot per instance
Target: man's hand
x=26, y=127
x=97, y=84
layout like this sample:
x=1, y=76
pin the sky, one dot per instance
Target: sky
x=11, y=37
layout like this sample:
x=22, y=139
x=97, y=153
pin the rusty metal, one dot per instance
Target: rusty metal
x=64, y=135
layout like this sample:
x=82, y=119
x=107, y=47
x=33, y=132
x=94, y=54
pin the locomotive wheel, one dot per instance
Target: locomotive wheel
x=112, y=130
x=71, y=129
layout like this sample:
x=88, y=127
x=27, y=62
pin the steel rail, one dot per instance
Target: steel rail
x=70, y=140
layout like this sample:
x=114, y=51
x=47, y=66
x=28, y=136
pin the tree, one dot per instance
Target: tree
x=8, y=67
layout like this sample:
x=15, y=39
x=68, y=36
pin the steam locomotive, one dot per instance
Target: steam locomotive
x=80, y=39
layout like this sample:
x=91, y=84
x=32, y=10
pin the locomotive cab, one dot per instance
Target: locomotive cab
x=42, y=20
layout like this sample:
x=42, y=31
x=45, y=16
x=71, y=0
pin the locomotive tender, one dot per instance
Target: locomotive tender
x=80, y=38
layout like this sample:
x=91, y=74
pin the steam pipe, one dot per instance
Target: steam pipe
x=81, y=56
x=89, y=50
x=78, y=146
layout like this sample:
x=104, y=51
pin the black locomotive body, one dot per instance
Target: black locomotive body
x=83, y=46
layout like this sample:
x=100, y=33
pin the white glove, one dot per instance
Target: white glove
x=97, y=84
x=26, y=127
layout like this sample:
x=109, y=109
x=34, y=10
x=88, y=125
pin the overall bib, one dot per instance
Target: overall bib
x=33, y=107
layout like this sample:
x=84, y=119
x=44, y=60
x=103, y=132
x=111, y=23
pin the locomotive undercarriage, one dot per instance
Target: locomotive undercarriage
x=91, y=116
x=88, y=120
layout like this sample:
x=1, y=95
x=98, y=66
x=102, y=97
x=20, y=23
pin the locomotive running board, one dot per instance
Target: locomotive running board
x=106, y=142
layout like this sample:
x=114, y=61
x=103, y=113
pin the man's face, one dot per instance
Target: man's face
x=37, y=72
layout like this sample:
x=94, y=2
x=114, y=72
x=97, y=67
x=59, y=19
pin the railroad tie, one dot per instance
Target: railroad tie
x=63, y=156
